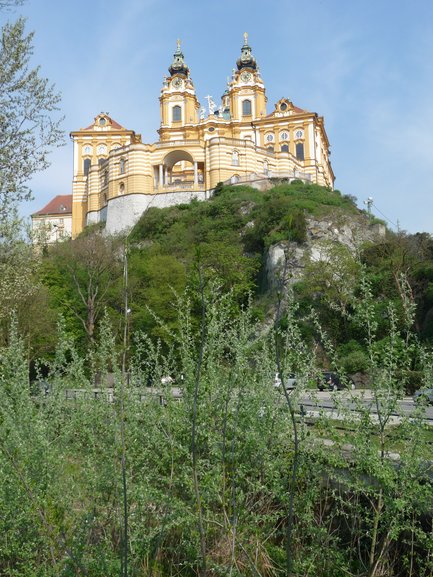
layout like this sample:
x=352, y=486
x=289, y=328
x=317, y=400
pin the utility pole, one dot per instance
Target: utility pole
x=369, y=203
x=125, y=375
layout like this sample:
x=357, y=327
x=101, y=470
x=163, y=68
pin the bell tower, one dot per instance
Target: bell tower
x=178, y=102
x=247, y=91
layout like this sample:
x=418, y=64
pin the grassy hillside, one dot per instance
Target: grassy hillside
x=225, y=240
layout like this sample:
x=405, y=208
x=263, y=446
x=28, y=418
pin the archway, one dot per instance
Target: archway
x=179, y=170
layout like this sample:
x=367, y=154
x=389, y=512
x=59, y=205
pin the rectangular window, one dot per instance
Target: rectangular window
x=177, y=113
x=246, y=108
x=86, y=166
x=300, y=151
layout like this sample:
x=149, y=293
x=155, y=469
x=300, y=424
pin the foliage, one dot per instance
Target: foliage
x=80, y=275
x=28, y=129
x=352, y=357
x=229, y=235
x=21, y=293
x=61, y=455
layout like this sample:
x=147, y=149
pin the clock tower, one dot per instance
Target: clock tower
x=178, y=101
x=247, y=91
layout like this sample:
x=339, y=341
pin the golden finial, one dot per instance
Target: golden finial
x=178, y=43
x=245, y=38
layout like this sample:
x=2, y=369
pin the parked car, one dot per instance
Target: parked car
x=332, y=382
x=290, y=381
x=424, y=396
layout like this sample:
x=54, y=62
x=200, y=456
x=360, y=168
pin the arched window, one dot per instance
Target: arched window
x=121, y=188
x=122, y=164
x=105, y=178
x=177, y=113
x=300, y=151
x=86, y=166
x=270, y=149
x=246, y=108
x=285, y=148
x=235, y=158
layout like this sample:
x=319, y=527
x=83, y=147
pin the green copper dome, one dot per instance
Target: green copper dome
x=178, y=66
x=246, y=59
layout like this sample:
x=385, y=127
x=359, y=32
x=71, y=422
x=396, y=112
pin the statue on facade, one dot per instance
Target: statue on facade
x=211, y=104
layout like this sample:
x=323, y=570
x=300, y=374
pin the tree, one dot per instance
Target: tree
x=21, y=295
x=5, y=4
x=27, y=102
x=80, y=275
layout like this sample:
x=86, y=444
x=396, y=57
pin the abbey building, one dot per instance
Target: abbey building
x=117, y=176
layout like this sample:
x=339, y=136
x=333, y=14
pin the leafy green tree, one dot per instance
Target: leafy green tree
x=80, y=275
x=22, y=296
x=28, y=106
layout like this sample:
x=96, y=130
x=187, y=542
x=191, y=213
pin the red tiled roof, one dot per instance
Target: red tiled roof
x=113, y=124
x=293, y=108
x=61, y=204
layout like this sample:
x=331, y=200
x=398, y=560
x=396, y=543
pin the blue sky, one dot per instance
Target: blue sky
x=365, y=66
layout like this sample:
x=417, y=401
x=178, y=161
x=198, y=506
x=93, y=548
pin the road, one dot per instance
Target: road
x=315, y=402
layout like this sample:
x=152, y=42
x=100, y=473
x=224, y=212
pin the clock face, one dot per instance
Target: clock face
x=246, y=76
x=177, y=83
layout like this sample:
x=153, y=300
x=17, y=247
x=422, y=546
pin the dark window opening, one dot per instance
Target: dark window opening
x=177, y=113
x=300, y=151
x=246, y=108
x=86, y=166
x=285, y=148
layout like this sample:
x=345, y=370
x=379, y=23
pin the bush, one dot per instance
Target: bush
x=353, y=357
x=355, y=362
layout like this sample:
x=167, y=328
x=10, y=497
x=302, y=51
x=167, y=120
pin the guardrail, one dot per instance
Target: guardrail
x=109, y=394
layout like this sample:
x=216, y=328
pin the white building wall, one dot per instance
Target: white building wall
x=124, y=211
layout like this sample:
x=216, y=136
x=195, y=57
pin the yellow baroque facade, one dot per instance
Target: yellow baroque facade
x=117, y=177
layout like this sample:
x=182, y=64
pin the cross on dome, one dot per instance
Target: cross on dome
x=246, y=59
x=178, y=66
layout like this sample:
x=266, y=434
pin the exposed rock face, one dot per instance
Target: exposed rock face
x=286, y=260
